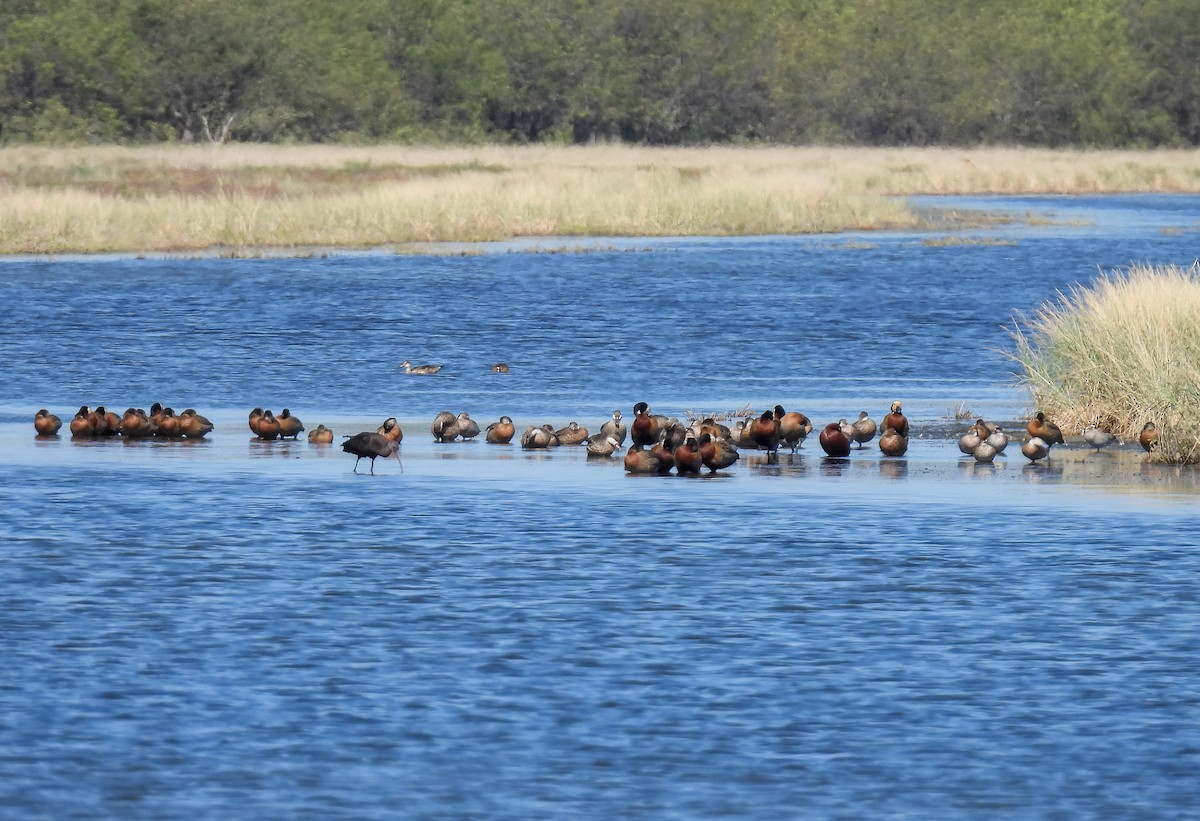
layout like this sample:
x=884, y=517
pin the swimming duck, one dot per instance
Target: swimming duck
x=538, y=438
x=834, y=440
x=268, y=427
x=863, y=429
x=371, y=445
x=288, y=425
x=194, y=426
x=644, y=430
x=615, y=428
x=255, y=415
x=1097, y=438
x=445, y=427
x=765, y=432
x=499, y=367
x=46, y=423
x=468, y=428
x=321, y=435
x=423, y=370
x=391, y=429
x=716, y=454
x=794, y=427
x=1035, y=448
x=572, y=434
x=896, y=420
x=687, y=457
x=601, y=445
x=1148, y=438
x=1042, y=428
x=638, y=460
x=892, y=443
x=500, y=432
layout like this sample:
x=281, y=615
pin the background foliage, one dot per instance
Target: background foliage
x=1095, y=73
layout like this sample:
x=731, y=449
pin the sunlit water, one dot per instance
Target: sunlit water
x=239, y=629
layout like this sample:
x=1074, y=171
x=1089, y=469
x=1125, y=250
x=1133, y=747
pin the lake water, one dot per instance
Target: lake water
x=240, y=629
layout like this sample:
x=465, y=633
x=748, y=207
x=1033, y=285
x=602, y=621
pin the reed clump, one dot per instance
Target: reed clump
x=1120, y=352
x=238, y=198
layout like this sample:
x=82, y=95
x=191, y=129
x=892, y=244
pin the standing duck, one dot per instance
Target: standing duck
x=765, y=432
x=268, y=427
x=500, y=432
x=834, y=440
x=468, y=428
x=1044, y=429
x=1148, y=438
x=1097, y=438
x=321, y=435
x=716, y=454
x=896, y=420
x=687, y=457
x=615, y=428
x=289, y=425
x=46, y=423
x=863, y=430
x=194, y=426
x=794, y=427
x=445, y=427
x=891, y=443
x=1036, y=448
x=644, y=430
x=255, y=415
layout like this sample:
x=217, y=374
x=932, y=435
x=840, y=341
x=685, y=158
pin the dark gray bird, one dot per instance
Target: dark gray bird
x=371, y=445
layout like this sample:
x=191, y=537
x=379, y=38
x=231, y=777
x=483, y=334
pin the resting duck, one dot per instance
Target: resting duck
x=572, y=434
x=765, y=432
x=321, y=435
x=834, y=440
x=500, y=432
x=863, y=430
x=1097, y=438
x=984, y=453
x=1036, y=448
x=268, y=428
x=638, y=460
x=46, y=423
x=538, y=438
x=289, y=425
x=644, y=430
x=687, y=457
x=716, y=454
x=794, y=427
x=969, y=440
x=615, y=428
x=896, y=420
x=255, y=415
x=601, y=445
x=135, y=424
x=1148, y=438
x=997, y=439
x=892, y=443
x=468, y=428
x=83, y=423
x=391, y=429
x=445, y=427
x=194, y=426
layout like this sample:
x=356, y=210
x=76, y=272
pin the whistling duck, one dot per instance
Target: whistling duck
x=371, y=445
x=46, y=423
x=896, y=420
x=538, y=438
x=601, y=445
x=1097, y=438
x=644, y=430
x=642, y=461
x=794, y=427
x=499, y=367
x=863, y=429
x=834, y=440
x=255, y=415
x=765, y=432
x=391, y=429
x=289, y=425
x=1148, y=438
x=424, y=370
x=194, y=426
x=891, y=443
x=135, y=424
x=268, y=426
x=500, y=432
x=717, y=454
x=1042, y=428
x=572, y=434
x=445, y=427
x=687, y=457
x=321, y=435
x=468, y=428
x=615, y=428
x=1036, y=448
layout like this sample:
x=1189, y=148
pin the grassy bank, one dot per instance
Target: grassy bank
x=1121, y=352
x=181, y=198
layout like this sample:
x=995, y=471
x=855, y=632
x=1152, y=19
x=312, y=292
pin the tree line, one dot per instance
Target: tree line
x=1095, y=73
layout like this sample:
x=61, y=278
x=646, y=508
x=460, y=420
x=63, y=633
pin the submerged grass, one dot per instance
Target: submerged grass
x=1121, y=352
x=243, y=197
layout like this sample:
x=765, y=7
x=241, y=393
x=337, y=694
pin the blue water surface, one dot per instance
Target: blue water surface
x=232, y=628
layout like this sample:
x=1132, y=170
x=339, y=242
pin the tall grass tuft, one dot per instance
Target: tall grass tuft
x=1120, y=352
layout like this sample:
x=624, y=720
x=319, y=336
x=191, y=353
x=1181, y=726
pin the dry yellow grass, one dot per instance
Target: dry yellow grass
x=244, y=197
x=1121, y=352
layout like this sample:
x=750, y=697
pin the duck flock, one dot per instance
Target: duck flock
x=658, y=444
